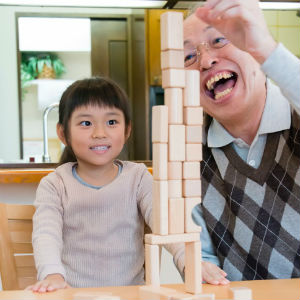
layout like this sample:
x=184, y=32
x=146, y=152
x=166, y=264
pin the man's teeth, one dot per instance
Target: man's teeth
x=211, y=82
x=222, y=94
x=100, y=148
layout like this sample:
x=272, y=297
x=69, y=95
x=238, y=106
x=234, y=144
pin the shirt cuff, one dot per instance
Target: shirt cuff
x=46, y=270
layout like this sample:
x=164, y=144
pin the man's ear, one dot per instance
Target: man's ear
x=128, y=131
x=60, y=133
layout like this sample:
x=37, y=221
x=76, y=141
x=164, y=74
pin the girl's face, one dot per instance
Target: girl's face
x=97, y=135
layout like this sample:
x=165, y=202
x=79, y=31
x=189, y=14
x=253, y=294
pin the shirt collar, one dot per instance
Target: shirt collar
x=276, y=117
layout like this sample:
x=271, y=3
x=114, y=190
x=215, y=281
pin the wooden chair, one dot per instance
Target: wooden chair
x=17, y=266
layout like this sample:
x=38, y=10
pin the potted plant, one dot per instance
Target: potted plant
x=40, y=65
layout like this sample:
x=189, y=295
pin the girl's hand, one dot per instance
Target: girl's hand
x=242, y=22
x=213, y=274
x=51, y=283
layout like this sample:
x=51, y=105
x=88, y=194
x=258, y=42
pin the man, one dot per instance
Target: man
x=250, y=211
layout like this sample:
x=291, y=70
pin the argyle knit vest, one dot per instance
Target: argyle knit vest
x=253, y=215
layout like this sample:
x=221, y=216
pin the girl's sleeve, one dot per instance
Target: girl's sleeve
x=144, y=195
x=47, y=228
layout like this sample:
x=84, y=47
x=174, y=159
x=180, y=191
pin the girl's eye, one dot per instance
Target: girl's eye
x=86, y=123
x=112, y=122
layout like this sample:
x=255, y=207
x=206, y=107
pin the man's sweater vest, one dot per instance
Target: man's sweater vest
x=253, y=215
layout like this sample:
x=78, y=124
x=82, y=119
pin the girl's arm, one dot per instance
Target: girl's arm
x=47, y=233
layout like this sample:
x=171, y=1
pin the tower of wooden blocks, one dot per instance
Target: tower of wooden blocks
x=177, y=152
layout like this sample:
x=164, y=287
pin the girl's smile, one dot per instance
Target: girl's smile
x=97, y=135
x=100, y=148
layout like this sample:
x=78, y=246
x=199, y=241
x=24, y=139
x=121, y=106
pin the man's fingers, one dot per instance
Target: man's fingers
x=209, y=279
x=202, y=14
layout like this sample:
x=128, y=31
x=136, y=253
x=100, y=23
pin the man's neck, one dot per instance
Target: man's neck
x=246, y=126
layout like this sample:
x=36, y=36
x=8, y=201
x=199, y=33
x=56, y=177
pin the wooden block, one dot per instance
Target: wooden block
x=192, y=88
x=193, y=134
x=160, y=207
x=94, y=296
x=191, y=170
x=193, y=276
x=173, y=99
x=193, y=152
x=173, y=78
x=176, y=142
x=160, y=161
x=194, y=297
x=240, y=293
x=175, y=188
x=176, y=215
x=152, y=268
x=193, y=115
x=171, y=30
x=172, y=59
x=189, y=224
x=174, y=170
x=159, y=293
x=191, y=188
x=149, y=292
x=154, y=239
x=160, y=124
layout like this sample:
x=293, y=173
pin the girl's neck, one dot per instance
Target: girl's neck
x=97, y=175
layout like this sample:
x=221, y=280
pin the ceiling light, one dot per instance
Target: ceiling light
x=264, y=5
x=280, y=5
x=88, y=3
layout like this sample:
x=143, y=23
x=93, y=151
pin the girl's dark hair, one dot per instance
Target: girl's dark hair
x=96, y=91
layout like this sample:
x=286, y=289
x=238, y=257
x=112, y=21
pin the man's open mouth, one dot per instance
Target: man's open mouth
x=220, y=84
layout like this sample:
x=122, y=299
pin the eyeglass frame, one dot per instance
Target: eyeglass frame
x=207, y=47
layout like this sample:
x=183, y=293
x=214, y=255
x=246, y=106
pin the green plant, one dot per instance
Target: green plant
x=33, y=64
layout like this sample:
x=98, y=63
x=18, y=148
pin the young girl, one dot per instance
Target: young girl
x=88, y=227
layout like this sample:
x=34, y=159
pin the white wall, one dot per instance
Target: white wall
x=9, y=112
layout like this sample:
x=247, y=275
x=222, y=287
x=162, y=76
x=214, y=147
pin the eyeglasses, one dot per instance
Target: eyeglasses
x=192, y=56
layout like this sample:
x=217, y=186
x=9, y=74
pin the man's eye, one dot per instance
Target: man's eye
x=112, y=122
x=219, y=41
x=189, y=57
x=86, y=123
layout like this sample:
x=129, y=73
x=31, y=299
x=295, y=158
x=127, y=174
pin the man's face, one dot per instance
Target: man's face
x=231, y=82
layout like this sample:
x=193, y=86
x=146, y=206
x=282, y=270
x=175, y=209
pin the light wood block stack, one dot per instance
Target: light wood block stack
x=177, y=152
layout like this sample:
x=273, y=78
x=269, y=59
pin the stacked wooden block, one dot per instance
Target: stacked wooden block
x=177, y=152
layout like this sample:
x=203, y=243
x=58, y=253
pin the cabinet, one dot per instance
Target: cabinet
x=152, y=21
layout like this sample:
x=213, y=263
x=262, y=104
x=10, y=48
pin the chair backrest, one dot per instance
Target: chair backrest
x=17, y=266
